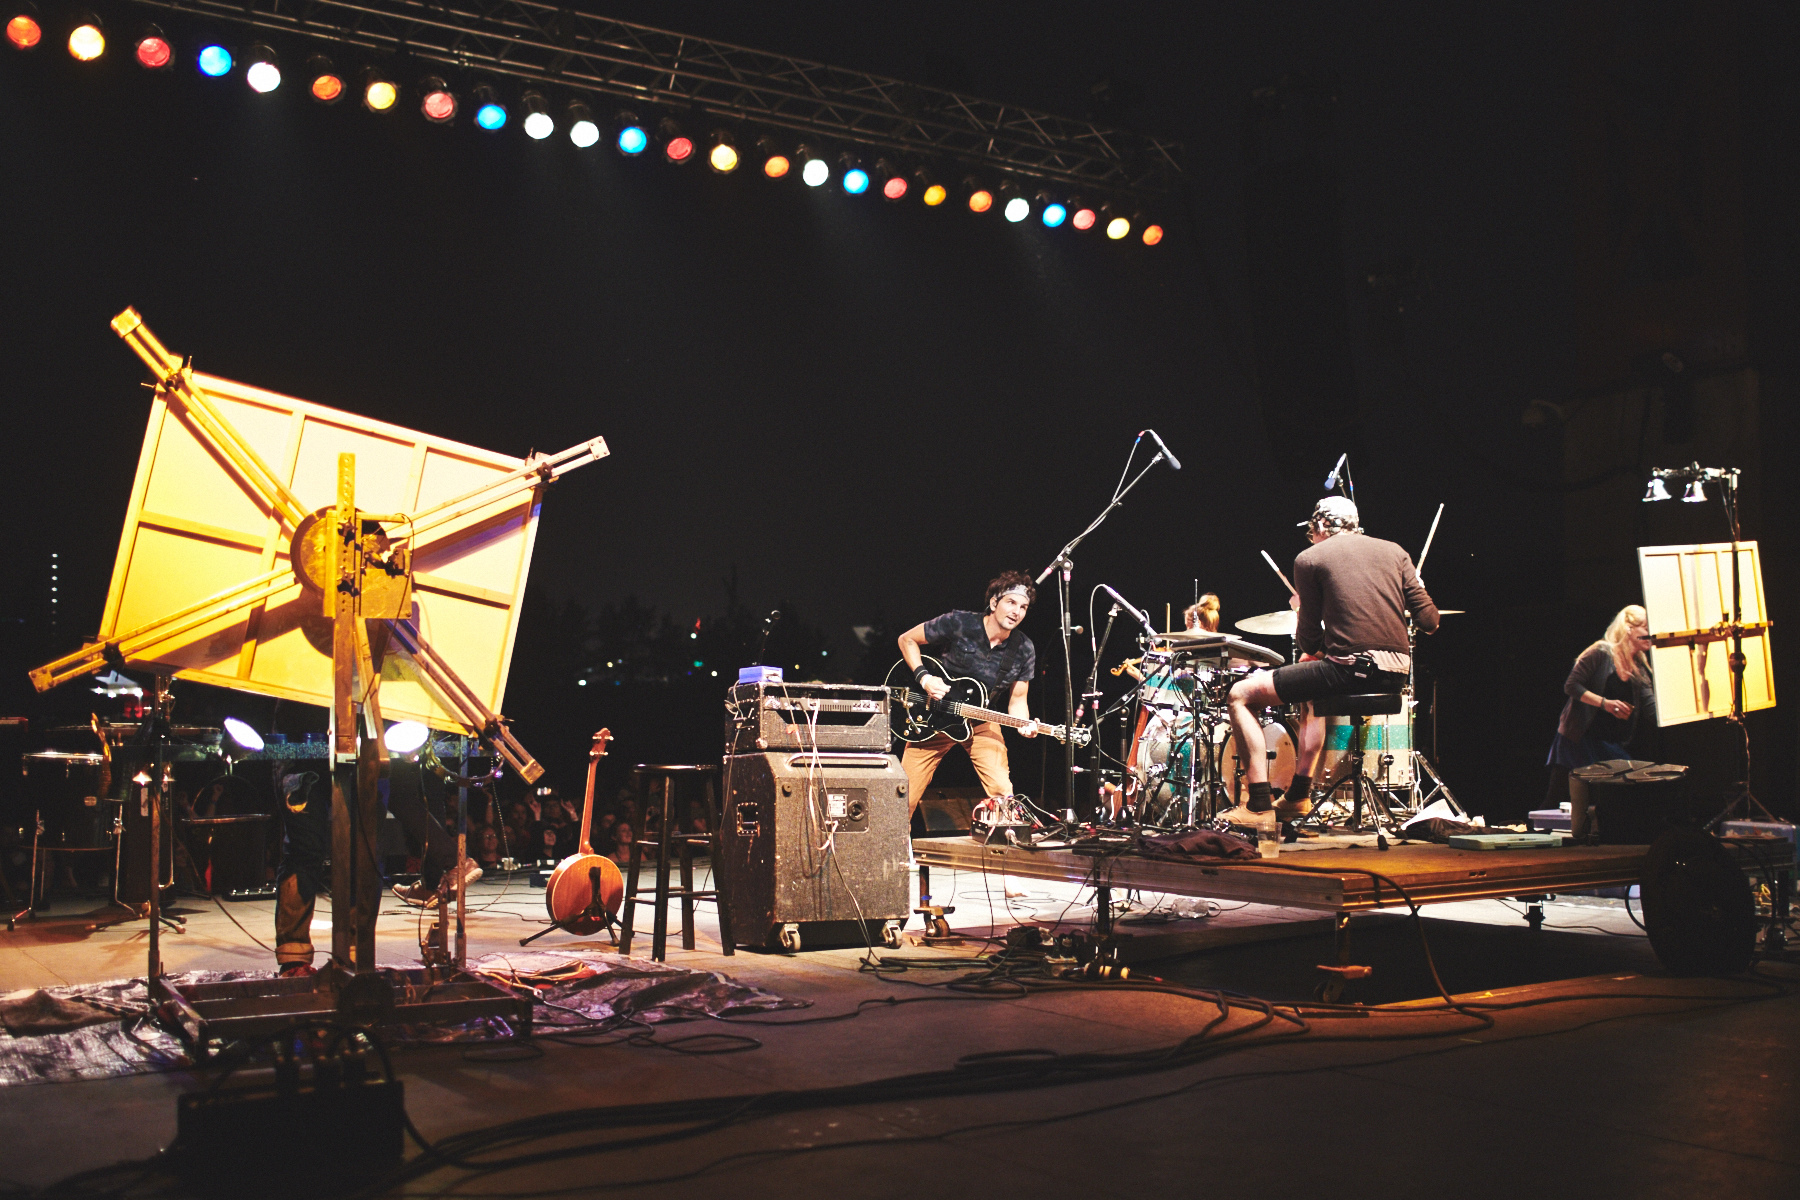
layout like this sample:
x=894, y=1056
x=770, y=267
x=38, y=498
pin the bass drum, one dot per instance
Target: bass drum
x=1162, y=766
x=69, y=794
x=1283, y=749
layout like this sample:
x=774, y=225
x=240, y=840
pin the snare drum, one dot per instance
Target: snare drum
x=69, y=794
x=1383, y=735
x=1282, y=748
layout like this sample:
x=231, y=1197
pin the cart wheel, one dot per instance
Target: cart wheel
x=1331, y=991
x=890, y=934
x=940, y=927
x=790, y=938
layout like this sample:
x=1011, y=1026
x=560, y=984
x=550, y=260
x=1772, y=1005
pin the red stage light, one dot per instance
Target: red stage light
x=24, y=32
x=439, y=104
x=1152, y=234
x=153, y=51
x=679, y=149
x=1084, y=218
x=894, y=188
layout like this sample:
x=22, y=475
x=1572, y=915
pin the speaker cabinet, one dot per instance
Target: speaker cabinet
x=815, y=848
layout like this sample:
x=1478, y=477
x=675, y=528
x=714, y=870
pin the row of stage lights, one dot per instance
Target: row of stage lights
x=631, y=137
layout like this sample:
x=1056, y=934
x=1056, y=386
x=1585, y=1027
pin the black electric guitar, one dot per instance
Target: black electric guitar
x=917, y=718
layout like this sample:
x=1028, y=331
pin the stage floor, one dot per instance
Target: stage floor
x=1690, y=1085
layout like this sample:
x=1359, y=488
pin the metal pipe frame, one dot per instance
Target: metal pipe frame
x=556, y=46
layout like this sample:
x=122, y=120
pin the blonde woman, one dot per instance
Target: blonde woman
x=1607, y=690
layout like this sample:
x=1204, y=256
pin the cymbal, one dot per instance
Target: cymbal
x=1192, y=637
x=1275, y=624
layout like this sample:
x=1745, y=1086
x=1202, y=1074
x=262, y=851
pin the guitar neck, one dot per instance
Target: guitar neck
x=959, y=709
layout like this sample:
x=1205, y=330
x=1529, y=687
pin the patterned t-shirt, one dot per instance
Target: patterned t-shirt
x=959, y=640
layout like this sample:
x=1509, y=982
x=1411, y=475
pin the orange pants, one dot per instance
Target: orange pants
x=987, y=750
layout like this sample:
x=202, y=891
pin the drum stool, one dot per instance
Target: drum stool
x=1356, y=706
x=668, y=838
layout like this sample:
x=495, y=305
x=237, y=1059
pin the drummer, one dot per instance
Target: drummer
x=1202, y=616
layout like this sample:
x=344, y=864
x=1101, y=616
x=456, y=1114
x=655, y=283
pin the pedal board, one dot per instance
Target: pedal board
x=1505, y=841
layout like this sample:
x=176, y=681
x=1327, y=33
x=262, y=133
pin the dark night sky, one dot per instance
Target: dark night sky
x=866, y=409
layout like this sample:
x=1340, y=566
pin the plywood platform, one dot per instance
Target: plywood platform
x=1334, y=878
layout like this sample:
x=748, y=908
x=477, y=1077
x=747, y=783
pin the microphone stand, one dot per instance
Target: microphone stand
x=1091, y=699
x=1064, y=567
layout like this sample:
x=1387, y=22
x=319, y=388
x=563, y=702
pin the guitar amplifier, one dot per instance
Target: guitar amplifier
x=813, y=844
x=806, y=716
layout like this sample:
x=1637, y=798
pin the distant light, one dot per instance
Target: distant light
x=776, y=165
x=581, y=683
x=724, y=158
x=1152, y=234
x=153, y=50
x=86, y=42
x=380, y=95
x=935, y=195
x=1084, y=218
x=981, y=200
x=815, y=172
x=632, y=139
x=24, y=32
x=439, y=103
x=856, y=181
x=263, y=77
x=1054, y=215
x=1017, y=209
x=327, y=86
x=1117, y=228
x=215, y=60
x=403, y=737
x=243, y=735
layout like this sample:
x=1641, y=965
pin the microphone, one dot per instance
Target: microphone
x=769, y=623
x=1125, y=604
x=1160, y=445
x=1331, y=480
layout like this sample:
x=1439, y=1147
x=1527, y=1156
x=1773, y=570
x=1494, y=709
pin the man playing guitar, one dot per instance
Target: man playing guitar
x=985, y=647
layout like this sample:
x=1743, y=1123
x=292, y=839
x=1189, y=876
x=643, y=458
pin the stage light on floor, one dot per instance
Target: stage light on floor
x=264, y=73
x=1083, y=217
x=327, y=86
x=153, y=51
x=893, y=180
x=1656, y=491
x=775, y=162
x=814, y=170
x=980, y=199
x=490, y=114
x=241, y=733
x=1052, y=214
x=678, y=147
x=584, y=131
x=723, y=156
x=438, y=105
x=215, y=60
x=24, y=28
x=379, y=92
x=1152, y=234
x=87, y=41
x=539, y=124
x=403, y=737
x=631, y=140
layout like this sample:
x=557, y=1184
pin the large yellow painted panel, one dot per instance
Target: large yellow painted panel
x=1687, y=588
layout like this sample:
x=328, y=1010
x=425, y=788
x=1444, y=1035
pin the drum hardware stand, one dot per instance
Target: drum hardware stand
x=1063, y=566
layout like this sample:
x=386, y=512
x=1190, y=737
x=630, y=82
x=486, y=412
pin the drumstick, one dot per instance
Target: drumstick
x=1278, y=574
x=1420, y=568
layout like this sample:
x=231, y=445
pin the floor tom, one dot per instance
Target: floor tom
x=1282, y=749
x=68, y=792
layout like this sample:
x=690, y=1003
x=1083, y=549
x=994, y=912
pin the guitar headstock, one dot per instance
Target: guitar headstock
x=598, y=749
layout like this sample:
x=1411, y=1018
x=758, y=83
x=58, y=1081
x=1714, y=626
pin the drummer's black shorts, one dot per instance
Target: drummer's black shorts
x=1315, y=680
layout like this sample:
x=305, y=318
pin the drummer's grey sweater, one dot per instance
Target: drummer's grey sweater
x=1355, y=591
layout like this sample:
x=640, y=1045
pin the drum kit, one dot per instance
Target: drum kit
x=1182, y=769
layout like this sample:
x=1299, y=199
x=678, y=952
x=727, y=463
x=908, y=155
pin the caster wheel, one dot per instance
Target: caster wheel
x=940, y=927
x=890, y=935
x=1331, y=991
x=790, y=938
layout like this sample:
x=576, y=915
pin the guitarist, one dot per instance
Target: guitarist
x=987, y=647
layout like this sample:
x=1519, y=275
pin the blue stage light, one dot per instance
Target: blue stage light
x=490, y=117
x=856, y=181
x=633, y=139
x=215, y=60
x=1054, y=215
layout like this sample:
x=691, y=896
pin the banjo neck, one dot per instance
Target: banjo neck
x=596, y=752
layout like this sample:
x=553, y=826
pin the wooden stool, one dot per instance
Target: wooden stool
x=668, y=838
x=1356, y=706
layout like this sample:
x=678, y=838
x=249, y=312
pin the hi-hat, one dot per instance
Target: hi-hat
x=1275, y=624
